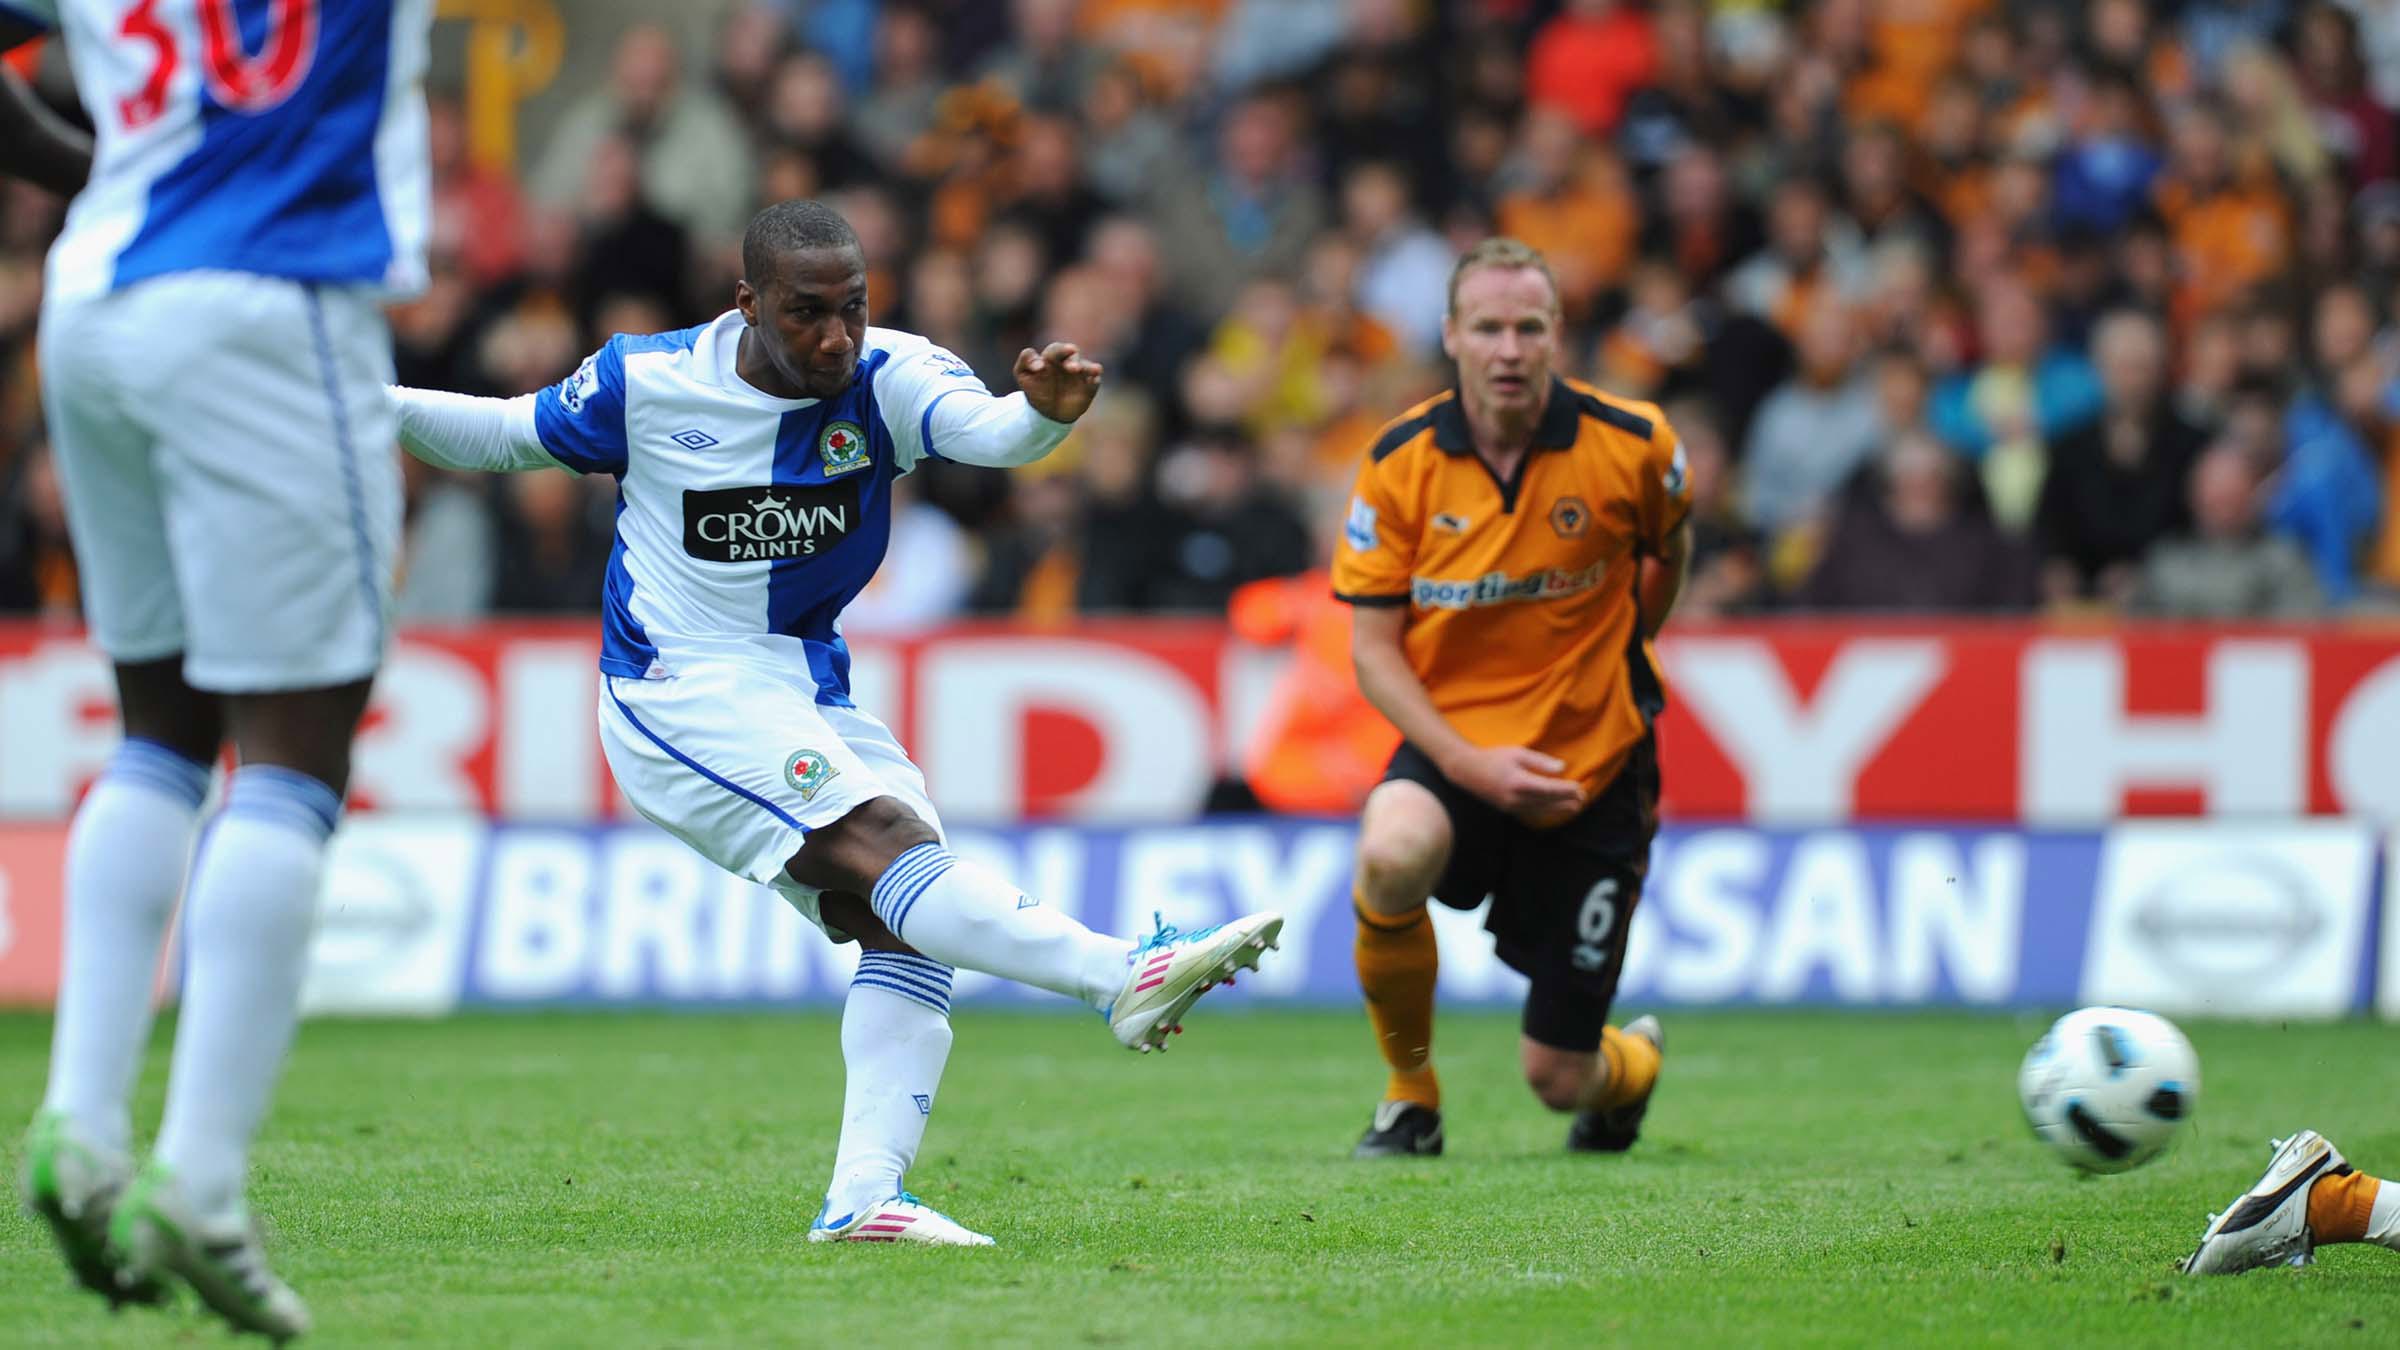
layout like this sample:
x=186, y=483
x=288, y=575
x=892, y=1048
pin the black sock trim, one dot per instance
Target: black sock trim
x=1380, y=925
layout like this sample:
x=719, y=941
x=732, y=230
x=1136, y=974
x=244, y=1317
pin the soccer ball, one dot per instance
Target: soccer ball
x=2108, y=1087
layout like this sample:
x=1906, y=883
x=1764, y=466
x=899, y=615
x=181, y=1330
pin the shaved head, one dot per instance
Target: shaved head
x=793, y=227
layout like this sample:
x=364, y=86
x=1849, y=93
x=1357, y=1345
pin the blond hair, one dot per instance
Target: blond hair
x=1500, y=251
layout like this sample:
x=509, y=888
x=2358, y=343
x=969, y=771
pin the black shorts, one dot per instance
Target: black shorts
x=1562, y=898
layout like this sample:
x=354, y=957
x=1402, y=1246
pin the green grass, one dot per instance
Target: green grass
x=1805, y=1179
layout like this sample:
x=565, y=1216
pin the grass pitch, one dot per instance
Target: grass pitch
x=1826, y=1179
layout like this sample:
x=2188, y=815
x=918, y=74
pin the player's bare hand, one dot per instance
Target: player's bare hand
x=1059, y=381
x=1520, y=781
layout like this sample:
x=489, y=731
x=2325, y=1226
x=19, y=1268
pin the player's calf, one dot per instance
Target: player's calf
x=1559, y=1089
x=1404, y=843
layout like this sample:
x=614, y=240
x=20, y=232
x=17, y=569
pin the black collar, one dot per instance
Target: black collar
x=1561, y=422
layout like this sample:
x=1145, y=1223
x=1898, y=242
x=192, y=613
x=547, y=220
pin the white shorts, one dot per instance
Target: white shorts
x=740, y=762
x=225, y=446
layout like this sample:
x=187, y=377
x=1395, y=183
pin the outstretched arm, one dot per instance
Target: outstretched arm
x=459, y=431
x=960, y=420
x=996, y=433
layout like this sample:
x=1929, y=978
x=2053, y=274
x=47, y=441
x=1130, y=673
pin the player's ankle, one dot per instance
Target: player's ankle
x=1415, y=1085
x=1627, y=1070
x=2341, y=1207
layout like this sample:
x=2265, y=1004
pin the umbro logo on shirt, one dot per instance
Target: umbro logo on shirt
x=768, y=524
x=693, y=439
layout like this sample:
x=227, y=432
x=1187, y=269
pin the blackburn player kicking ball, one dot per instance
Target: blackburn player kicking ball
x=755, y=456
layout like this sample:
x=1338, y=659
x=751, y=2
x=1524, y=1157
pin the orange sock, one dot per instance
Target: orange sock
x=2340, y=1208
x=1632, y=1065
x=1397, y=961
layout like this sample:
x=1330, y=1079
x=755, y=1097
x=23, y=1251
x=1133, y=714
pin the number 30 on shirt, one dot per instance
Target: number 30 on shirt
x=238, y=79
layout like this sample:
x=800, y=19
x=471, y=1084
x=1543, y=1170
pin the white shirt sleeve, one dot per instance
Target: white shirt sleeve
x=459, y=431
x=936, y=407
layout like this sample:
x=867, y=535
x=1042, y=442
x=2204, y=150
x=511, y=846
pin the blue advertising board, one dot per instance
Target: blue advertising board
x=426, y=914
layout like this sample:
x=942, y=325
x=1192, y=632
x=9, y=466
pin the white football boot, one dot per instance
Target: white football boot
x=223, y=1258
x=2268, y=1225
x=1170, y=970
x=903, y=1218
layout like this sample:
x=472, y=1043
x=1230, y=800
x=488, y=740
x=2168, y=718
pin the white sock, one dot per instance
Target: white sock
x=125, y=860
x=895, y=1039
x=245, y=940
x=957, y=912
x=2383, y=1221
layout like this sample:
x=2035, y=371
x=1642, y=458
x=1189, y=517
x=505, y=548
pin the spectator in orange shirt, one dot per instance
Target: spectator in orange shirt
x=1573, y=205
x=2229, y=233
x=1908, y=46
x=1589, y=60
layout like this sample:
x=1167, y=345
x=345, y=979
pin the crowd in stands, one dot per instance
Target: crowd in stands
x=1958, y=305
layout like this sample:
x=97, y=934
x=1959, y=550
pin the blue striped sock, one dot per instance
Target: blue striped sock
x=960, y=913
x=919, y=978
x=271, y=792
x=905, y=881
x=156, y=767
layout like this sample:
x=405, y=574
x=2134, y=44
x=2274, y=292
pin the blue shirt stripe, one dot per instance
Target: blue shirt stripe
x=291, y=191
x=925, y=424
x=806, y=595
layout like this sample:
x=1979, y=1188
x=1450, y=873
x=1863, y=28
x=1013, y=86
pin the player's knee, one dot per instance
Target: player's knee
x=1397, y=870
x=1557, y=1084
x=1558, y=1077
x=888, y=823
x=852, y=914
x=851, y=853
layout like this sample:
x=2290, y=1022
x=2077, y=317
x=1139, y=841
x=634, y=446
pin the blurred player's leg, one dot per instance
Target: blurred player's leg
x=132, y=834
x=2309, y=1197
x=1404, y=845
x=245, y=936
x=125, y=864
x=246, y=929
x=125, y=857
x=283, y=513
